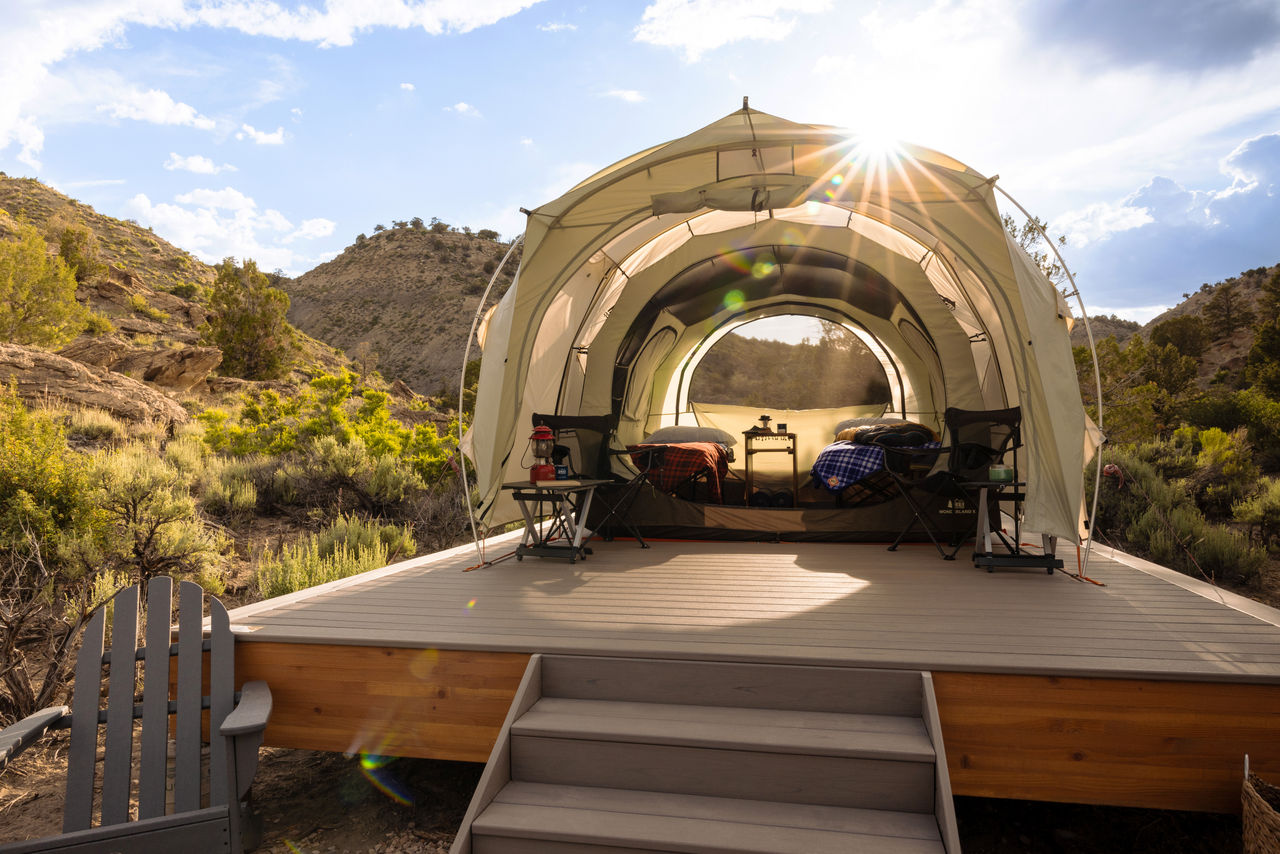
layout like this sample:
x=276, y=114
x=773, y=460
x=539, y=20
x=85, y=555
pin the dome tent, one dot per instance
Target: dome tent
x=628, y=276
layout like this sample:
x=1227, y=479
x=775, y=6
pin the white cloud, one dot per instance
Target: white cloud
x=196, y=163
x=156, y=107
x=1099, y=221
x=215, y=224
x=36, y=35
x=557, y=27
x=261, y=137
x=228, y=198
x=525, y=140
x=339, y=23
x=408, y=87
x=631, y=96
x=297, y=112
x=313, y=228
x=699, y=26
x=462, y=108
x=65, y=186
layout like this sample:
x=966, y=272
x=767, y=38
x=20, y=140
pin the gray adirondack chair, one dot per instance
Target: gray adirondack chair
x=185, y=821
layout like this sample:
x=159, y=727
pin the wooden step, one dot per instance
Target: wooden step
x=763, y=730
x=731, y=684
x=534, y=819
x=725, y=772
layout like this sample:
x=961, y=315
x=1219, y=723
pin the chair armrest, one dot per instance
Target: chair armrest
x=251, y=713
x=17, y=737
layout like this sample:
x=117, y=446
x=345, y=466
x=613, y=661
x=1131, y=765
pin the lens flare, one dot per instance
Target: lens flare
x=736, y=260
x=734, y=300
x=423, y=665
x=376, y=770
x=471, y=604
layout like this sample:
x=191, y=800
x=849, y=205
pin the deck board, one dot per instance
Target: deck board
x=829, y=603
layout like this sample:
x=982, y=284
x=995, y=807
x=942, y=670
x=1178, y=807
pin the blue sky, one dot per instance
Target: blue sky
x=1147, y=132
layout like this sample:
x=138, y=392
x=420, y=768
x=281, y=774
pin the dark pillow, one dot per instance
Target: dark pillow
x=690, y=433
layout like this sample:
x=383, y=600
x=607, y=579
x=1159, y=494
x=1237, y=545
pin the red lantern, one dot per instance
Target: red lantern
x=541, y=444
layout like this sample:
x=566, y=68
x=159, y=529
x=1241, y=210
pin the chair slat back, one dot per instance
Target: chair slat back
x=186, y=768
x=117, y=762
x=222, y=690
x=78, y=811
x=185, y=710
x=153, y=772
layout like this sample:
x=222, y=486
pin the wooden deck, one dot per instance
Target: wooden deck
x=1145, y=691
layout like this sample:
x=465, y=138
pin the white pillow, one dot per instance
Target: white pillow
x=690, y=433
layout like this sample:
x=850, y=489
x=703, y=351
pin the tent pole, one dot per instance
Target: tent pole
x=462, y=388
x=1097, y=373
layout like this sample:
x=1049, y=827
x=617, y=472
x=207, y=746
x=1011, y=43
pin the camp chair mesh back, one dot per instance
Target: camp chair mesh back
x=587, y=438
x=976, y=440
x=207, y=808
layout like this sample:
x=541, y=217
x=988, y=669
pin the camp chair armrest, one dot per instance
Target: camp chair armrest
x=251, y=713
x=17, y=737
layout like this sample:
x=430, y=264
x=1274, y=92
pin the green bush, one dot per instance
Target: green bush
x=152, y=525
x=37, y=293
x=360, y=534
x=45, y=488
x=78, y=247
x=1261, y=511
x=325, y=557
x=227, y=490
x=1224, y=473
x=248, y=323
x=95, y=425
x=186, y=290
x=187, y=454
x=1156, y=519
x=97, y=325
x=139, y=304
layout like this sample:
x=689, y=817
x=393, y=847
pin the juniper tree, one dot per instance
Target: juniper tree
x=248, y=323
x=37, y=293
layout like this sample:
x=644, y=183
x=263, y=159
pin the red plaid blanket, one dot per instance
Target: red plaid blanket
x=684, y=460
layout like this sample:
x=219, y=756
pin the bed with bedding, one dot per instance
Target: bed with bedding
x=852, y=468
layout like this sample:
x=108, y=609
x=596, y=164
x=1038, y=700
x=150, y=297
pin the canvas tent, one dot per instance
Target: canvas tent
x=628, y=277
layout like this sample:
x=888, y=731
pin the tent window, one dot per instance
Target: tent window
x=747, y=161
x=790, y=362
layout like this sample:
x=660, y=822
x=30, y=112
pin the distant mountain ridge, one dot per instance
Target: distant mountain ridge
x=409, y=292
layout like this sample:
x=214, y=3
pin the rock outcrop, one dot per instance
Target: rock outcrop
x=178, y=368
x=48, y=378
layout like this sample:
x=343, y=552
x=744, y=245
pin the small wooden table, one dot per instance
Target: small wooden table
x=567, y=504
x=774, y=443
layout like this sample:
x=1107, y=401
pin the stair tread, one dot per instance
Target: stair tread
x=684, y=823
x=773, y=813
x=766, y=730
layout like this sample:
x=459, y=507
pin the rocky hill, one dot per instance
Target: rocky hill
x=1223, y=353
x=409, y=292
x=151, y=294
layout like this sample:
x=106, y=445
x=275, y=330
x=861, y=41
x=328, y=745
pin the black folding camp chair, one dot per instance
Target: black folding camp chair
x=978, y=440
x=583, y=441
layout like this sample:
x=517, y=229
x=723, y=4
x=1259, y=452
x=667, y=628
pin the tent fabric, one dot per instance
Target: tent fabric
x=628, y=276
